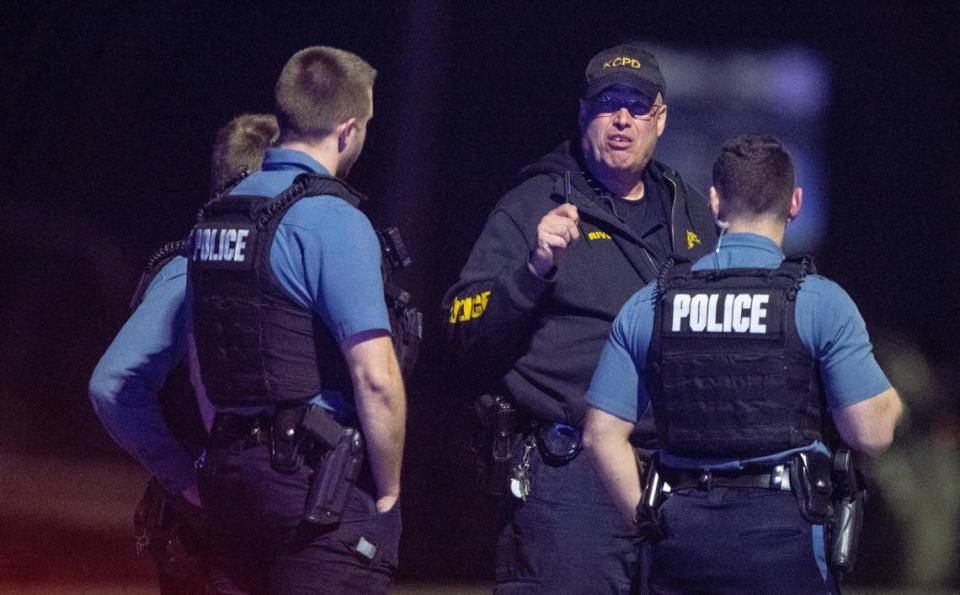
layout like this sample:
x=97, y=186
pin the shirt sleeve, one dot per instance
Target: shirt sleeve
x=831, y=327
x=327, y=256
x=618, y=386
x=126, y=381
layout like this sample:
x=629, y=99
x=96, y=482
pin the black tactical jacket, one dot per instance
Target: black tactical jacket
x=543, y=338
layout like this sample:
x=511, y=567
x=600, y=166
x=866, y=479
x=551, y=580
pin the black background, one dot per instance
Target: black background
x=109, y=111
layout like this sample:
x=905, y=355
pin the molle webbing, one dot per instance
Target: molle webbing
x=728, y=373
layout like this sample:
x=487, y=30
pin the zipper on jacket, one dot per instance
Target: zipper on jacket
x=653, y=265
x=673, y=215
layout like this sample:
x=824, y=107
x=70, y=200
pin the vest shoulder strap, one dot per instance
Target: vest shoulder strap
x=263, y=209
x=675, y=264
x=306, y=185
x=156, y=261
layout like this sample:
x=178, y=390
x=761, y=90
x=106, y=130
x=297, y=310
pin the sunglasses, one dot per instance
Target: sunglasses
x=641, y=107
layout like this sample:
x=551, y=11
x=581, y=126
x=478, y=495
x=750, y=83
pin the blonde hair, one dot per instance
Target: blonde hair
x=239, y=148
x=319, y=88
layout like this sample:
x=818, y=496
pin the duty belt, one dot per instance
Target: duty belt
x=771, y=478
x=229, y=427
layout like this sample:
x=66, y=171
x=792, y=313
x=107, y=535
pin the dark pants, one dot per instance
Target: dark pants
x=174, y=533
x=737, y=540
x=260, y=545
x=567, y=537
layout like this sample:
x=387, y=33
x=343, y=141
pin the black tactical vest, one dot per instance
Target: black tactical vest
x=177, y=398
x=257, y=345
x=727, y=372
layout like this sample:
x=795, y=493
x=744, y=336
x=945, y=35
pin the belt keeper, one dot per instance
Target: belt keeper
x=779, y=478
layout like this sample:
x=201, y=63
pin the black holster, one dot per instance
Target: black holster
x=849, y=498
x=810, y=476
x=494, y=443
x=648, y=520
x=336, y=471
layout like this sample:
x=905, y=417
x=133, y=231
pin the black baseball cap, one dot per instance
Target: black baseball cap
x=627, y=65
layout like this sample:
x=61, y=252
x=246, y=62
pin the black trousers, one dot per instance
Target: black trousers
x=737, y=540
x=568, y=537
x=260, y=545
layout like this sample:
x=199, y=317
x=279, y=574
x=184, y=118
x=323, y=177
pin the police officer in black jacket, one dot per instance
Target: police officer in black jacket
x=558, y=257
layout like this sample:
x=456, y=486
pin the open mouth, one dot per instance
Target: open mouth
x=619, y=141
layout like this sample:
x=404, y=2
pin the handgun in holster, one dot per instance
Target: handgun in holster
x=406, y=327
x=336, y=470
x=849, y=498
x=647, y=519
x=498, y=425
x=406, y=321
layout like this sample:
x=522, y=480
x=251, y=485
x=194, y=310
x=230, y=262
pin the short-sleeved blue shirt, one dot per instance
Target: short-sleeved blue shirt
x=325, y=255
x=827, y=320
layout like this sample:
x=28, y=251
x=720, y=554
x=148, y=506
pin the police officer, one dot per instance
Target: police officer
x=746, y=358
x=558, y=257
x=152, y=401
x=294, y=345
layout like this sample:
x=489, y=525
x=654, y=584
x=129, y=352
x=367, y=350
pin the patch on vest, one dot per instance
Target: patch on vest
x=221, y=247
x=743, y=314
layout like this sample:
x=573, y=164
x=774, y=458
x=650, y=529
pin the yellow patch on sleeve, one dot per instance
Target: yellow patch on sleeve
x=468, y=308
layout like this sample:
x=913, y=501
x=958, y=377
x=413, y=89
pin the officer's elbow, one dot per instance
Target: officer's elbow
x=380, y=384
x=872, y=444
x=602, y=430
x=868, y=426
x=100, y=390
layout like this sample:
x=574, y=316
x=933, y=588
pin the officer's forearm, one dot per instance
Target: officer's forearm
x=383, y=418
x=382, y=409
x=606, y=440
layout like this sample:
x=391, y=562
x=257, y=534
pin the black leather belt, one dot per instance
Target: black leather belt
x=770, y=478
x=229, y=427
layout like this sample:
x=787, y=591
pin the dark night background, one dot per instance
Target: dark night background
x=109, y=111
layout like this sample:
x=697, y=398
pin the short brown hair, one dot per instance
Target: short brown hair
x=239, y=148
x=754, y=176
x=319, y=88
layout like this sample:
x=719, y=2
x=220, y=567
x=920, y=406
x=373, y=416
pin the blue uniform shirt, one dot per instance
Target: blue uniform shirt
x=828, y=322
x=125, y=383
x=325, y=255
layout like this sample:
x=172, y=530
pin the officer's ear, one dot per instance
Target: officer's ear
x=715, y=202
x=661, y=116
x=796, y=203
x=345, y=131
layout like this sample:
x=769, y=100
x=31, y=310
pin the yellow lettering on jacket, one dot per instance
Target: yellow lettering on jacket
x=598, y=235
x=692, y=239
x=468, y=308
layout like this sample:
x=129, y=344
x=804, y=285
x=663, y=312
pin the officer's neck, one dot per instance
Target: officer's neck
x=767, y=227
x=323, y=152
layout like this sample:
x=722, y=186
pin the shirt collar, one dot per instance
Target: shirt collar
x=752, y=241
x=280, y=158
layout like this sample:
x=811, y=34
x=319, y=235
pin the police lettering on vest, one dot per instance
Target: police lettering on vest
x=219, y=244
x=720, y=313
x=727, y=372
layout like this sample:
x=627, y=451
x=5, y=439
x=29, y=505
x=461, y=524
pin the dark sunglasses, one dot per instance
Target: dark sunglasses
x=639, y=107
